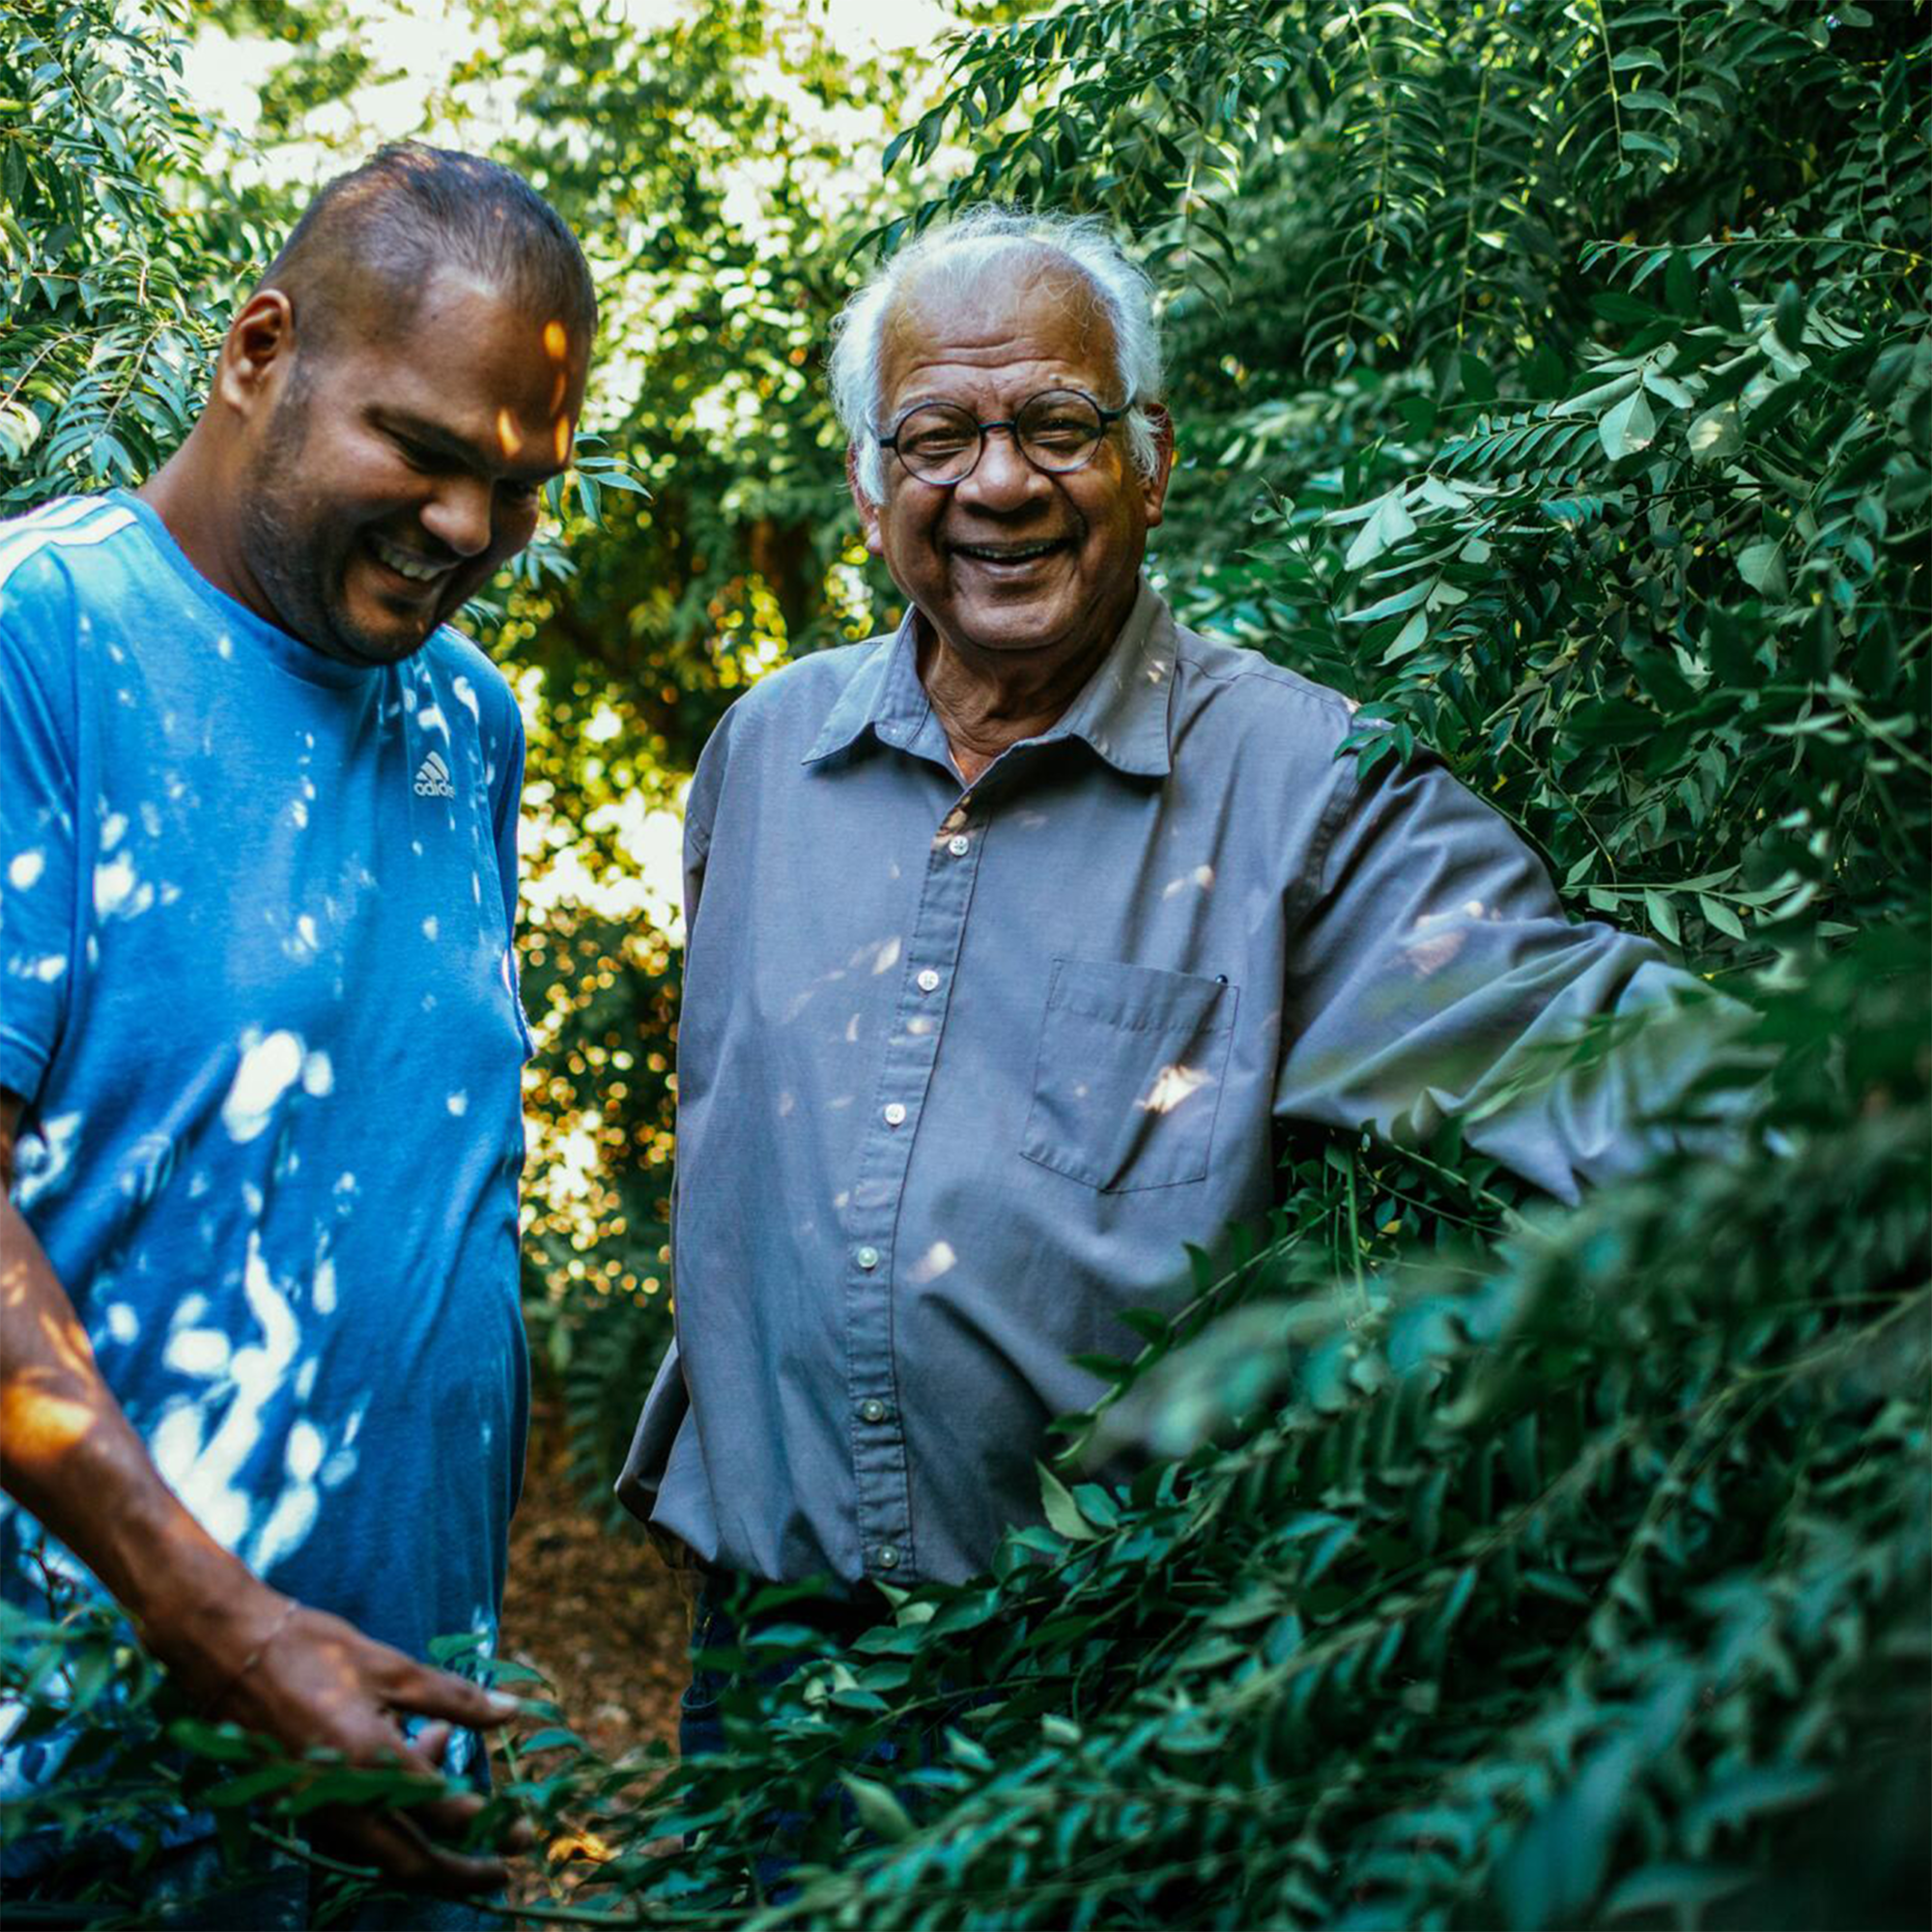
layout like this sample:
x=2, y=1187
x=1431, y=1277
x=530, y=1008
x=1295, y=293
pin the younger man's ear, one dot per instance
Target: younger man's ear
x=257, y=352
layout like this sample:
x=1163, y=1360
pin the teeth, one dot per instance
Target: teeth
x=404, y=564
x=988, y=554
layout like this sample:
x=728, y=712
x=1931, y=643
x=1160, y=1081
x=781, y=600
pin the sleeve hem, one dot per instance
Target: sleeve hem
x=21, y=1066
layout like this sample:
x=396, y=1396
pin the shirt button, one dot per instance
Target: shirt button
x=959, y=845
x=872, y=1409
x=887, y=1556
x=894, y=1114
x=867, y=1258
x=928, y=981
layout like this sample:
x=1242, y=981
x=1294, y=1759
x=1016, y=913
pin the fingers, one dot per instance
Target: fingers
x=453, y=1818
x=436, y=1694
x=401, y=1851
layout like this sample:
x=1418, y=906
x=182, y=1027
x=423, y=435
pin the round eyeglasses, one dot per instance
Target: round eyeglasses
x=1057, y=430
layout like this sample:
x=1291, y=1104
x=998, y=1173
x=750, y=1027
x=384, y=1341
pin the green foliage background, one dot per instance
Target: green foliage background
x=1556, y=379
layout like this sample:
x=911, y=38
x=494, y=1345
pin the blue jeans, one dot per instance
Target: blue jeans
x=700, y=1717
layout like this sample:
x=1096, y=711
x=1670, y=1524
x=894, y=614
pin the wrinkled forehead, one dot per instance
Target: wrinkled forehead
x=1022, y=308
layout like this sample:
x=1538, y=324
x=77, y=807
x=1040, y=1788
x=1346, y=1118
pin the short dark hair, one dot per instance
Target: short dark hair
x=385, y=228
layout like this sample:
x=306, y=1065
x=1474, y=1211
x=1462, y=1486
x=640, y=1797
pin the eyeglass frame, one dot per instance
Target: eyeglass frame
x=1108, y=418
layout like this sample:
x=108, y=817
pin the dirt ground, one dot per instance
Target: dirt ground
x=595, y=1610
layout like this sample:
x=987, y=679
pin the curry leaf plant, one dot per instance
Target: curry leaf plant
x=105, y=325
x=1537, y=1567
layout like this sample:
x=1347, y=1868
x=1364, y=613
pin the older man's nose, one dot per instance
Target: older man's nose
x=1002, y=476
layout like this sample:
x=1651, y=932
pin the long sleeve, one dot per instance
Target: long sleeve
x=1434, y=972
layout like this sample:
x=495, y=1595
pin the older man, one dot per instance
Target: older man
x=1012, y=935
x=263, y=1374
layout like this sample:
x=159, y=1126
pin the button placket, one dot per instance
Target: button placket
x=880, y=1470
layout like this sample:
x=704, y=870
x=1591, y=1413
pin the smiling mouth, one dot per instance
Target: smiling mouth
x=405, y=563
x=1010, y=554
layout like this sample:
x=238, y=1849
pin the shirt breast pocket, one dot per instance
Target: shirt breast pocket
x=1127, y=1080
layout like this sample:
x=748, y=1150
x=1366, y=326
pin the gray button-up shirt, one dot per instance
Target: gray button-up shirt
x=962, y=1068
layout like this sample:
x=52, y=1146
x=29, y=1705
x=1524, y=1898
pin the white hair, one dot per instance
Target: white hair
x=958, y=255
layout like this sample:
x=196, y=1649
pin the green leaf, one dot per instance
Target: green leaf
x=1663, y=914
x=1627, y=428
x=1679, y=1889
x=1761, y=565
x=1719, y=914
x=1788, y=318
x=1063, y=1513
x=879, y=1811
x=1717, y=434
x=1389, y=523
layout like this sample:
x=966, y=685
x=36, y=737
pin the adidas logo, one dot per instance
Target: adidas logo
x=433, y=779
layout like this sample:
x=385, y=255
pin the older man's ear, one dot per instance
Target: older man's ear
x=1153, y=487
x=869, y=511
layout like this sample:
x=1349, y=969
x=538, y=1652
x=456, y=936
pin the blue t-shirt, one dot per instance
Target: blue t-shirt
x=257, y=991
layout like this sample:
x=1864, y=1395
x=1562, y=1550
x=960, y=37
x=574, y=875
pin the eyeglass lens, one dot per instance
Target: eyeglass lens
x=1057, y=430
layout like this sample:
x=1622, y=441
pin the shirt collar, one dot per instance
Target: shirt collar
x=1122, y=712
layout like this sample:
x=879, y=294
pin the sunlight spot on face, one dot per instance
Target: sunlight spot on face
x=25, y=869
x=555, y=340
x=268, y=1068
x=937, y=1259
x=888, y=956
x=1170, y=1086
x=318, y=1074
x=458, y=1103
x=509, y=438
x=430, y=928
x=561, y=439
